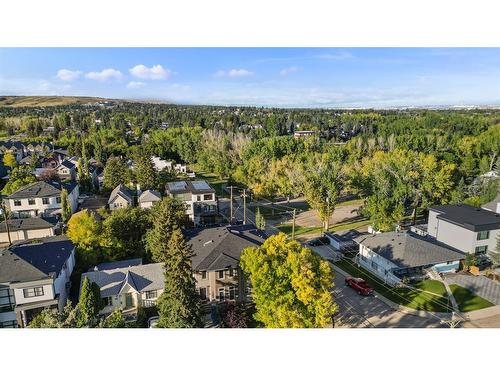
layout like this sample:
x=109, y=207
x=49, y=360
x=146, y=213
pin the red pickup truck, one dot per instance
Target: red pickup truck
x=359, y=285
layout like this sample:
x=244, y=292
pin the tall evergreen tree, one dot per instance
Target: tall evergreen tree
x=179, y=304
x=260, y=222
x=115, y=172
x=65, y=206
x=89, y=304
x=145, y=172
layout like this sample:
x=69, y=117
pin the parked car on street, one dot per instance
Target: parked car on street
x=320, y=241
x=359, y=285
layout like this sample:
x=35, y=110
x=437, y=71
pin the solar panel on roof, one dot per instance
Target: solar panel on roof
x=177, y=185
x=201, y=185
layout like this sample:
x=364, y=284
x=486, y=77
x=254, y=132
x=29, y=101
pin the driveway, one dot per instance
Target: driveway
x=480, y=285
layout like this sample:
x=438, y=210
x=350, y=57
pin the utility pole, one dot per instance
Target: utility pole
x=6, y=222
x=293, y=225
x=244, y=206
x=231, y=203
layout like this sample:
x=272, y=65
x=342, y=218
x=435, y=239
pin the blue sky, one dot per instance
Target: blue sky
x=285, y=77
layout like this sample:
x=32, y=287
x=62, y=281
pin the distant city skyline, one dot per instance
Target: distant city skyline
x=276, y=77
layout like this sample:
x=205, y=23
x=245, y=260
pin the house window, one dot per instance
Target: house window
x=483, y=235
x=33, y=292
x=207, y=197
x=6, y=299
x=198, y=198
x=58, y=199
x=220, y=274
x=203, y=293
x=231, y=272
x=31, y=202
x=203, y=274
x=107, y=301
x=232, y=292
x=481, y=249
x=151, y=294
x=45, y=200
x=222, y=294
x=17, y=202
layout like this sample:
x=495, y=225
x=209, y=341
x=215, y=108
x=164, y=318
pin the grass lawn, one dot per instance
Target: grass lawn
x=287, y=229
x=468, y=301
x=349, y=203
x=350, y=225
x=419, y=300
x=267, y=211
x=215, y=181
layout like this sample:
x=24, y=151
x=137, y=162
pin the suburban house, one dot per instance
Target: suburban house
x=304, y=133
x=201, y=203
x=22, y=149
x=41, y=198
x=394, y=255
x=33, y=276
x=28, y=228
x=216, y=261
x=148, y=197
x=66, y=170
x=466, y=228
x=120, y=197
x=127, y=285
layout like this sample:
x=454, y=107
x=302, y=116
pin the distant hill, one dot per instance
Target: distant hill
x=42, y=101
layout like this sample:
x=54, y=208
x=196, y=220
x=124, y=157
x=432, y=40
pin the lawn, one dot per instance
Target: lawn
x=350, y=203
x=350, y=225
x=287, y=229
x=468, y=301
x=215, y=181
x=419, y=300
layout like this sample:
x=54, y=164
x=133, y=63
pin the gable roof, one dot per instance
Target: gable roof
x=407, y=249
x=118, y=264
x=149, y=196
x=220, y=247
x=29, y=223
x=67, y=164
x=121, y=191
x=471, y=218
x=142, y=278
x=34, y=260
x=42, y=189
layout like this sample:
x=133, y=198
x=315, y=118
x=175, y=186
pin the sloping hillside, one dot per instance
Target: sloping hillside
x=41, y=101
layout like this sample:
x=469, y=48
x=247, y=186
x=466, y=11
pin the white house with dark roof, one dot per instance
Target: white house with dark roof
x=216, y=263
x=126, y=285
x=34, y=276
x=394, y=255
x=67, y=170
x=41, y=198
x=201, y=203
x=466, y=228
x=148, y=198
x=28, y=228
x=120, y=197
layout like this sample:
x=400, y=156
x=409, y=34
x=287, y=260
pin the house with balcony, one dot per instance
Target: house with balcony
x=463, y=227
x=216, y=263
x=201, y=203
x=34, y=275
x=127, y=285
x=41, y=198
x=394, y=255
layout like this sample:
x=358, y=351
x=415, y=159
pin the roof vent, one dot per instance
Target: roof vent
x=208, y=242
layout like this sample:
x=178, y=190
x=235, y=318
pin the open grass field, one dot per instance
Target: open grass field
x=468, y=301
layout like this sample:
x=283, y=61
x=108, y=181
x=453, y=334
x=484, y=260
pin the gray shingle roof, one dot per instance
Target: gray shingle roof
x=34, y=260
x=472, y=218
x=407, y=249
x=42, y=189
x=149, y=196
x=142, y=278
x=117, y=264
x=221, y=247
x=29, y=223
x=121, y=191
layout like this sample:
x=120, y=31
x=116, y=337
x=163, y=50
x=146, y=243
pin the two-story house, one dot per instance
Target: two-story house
x=28, y=228
x=41, y=198
x=33, y=276
x=127, y=285
x=148, y=198
x=466, y=228
x=67, y=169
x=201, y=203
x=120, y=197
x=217, y=257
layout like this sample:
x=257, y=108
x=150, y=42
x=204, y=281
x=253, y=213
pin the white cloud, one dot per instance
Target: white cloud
x=336, y=56
x=135, y=85
x=289, y=70
x=105, y=74
x=156, y=72
x=68, y=75
x=233, y=73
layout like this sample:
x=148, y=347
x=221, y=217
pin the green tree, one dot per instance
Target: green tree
x=18, y=178
x=113, y=320
x=166, y=216
x=9, y=160
x=494, y=255
x=115, y=172
x=84, y=230
x=291, y=285
x=65, y=206
x=89, y=304
x=178, y=305
x=144, y=169
x=260, y=222
x=52, y=318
